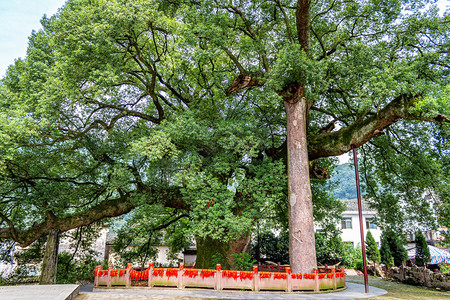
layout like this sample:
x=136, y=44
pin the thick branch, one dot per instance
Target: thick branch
x=360, y=132
x=107, y=208
x=303, y=23
x=243, y=81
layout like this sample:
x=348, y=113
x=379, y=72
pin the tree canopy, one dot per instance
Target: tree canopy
x=198, y=107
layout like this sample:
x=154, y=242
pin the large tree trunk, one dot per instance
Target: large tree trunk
x=211, y=251
x=302, y=251
x=48, y=272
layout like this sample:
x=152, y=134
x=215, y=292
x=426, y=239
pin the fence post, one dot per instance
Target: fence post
x=218, y=278
x=180, y=283
x=96, y=271
x=334, y=278
x=128, y=276
x=316, y=279
x=108, y=281
x=288, y=277
x=255, y=279
x=150, y=275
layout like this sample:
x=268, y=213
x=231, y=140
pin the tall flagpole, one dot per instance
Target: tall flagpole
x=363, y=245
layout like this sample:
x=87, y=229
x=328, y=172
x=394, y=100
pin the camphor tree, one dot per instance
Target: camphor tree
x=191, y=105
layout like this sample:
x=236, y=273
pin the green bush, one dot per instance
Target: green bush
x=385, y=252
x=219, y=259
x=422, y=251
x=243, y=261
x=350, y=256
x=329, y=248
x=359, y=265
x=395, y=242
x=272, y=247
x=372, y=252
x=70, y=270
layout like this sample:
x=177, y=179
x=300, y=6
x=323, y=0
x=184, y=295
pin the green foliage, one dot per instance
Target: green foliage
x=395, y=242
x=71, y=270
x=78, y=263
x=243, y=261
x=445, y=269
x=385, y=252
x=352, y=256
x=293, y=66
x=329, y=247
x=423, y=255
x=219, y=259
x=359, y=265
x=399, y=175
x=144, y=229
x=372, y=251
x=273, y=247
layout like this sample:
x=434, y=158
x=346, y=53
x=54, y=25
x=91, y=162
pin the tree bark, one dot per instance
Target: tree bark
x=302, y=251
x=50, y=262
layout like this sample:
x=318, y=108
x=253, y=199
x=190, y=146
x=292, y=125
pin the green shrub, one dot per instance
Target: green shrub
x=243, y=261
x=395, y=242
x=272, y=247
x=329, y=248
x=372, y=252
x=219, y=259
x=350, y=256
x=422, y=252
x=72, y=270
x=385, y=252
x=359, y=265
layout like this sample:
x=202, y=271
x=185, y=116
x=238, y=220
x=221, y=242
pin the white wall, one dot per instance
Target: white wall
x=353, y=235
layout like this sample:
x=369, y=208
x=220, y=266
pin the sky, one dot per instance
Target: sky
x=18, y=18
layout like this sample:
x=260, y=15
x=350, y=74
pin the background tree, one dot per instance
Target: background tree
x=372, y=251
x=385, y=252
x=395, y=242
x=274, y=248
x=423, y=255
x=329, y=247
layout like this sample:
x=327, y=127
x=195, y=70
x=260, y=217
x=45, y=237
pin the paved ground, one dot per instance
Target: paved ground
x=69, y=291
x=39, y=292
x=353, y=291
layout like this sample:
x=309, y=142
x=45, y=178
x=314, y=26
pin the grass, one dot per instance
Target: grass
x=398, y=290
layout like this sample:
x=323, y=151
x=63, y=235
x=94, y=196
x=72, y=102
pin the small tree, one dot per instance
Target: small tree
x=385, y=252
x=422, y=252
x=372, y=251
x=329, y=247
x=396, y=246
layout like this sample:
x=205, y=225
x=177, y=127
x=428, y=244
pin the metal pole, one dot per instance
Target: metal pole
x=363, y=245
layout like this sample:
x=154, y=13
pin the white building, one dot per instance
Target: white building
x=350, y=223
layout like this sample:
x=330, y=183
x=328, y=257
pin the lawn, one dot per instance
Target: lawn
x=400, y=291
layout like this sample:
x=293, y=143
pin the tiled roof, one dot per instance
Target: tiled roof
x=352, y=205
